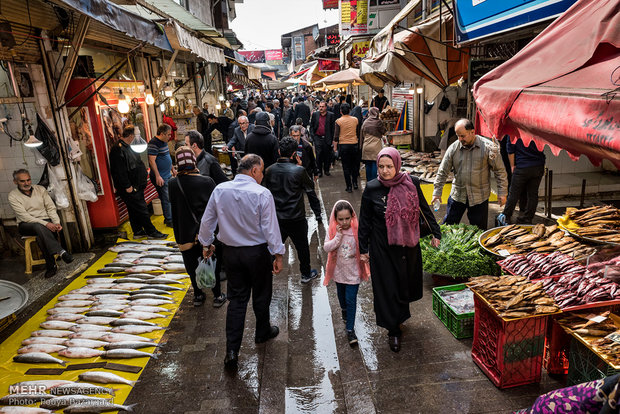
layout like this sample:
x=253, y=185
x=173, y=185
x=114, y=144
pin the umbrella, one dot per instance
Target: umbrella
x=340, y=79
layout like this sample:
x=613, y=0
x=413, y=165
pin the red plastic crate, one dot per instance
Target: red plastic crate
x=557, y=349
x=509, y=352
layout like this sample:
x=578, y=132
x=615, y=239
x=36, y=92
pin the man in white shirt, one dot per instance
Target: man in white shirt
x=248, y=228
x=36, y=215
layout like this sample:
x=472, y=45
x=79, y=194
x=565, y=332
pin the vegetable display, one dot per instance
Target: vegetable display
x=459, y=254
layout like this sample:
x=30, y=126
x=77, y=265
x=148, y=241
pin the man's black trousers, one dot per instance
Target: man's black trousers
x=46, y=239
x=139, y=216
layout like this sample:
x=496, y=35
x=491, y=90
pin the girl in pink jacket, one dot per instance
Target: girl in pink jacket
x=343, y=262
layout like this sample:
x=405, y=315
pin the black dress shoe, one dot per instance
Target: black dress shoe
x=394, y=342
x=51, y=271
x=273, y=332
x=66, y=257
x=231, y=360
x=327, y=173
x=348, y=190
x=355, y=186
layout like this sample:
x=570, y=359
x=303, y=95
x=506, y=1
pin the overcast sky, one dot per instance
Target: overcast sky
x=260, y=23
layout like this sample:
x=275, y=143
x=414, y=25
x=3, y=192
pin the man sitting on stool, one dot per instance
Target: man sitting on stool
x=36, y=216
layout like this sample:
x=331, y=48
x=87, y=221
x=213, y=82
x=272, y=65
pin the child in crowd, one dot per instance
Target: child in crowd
x=343, y=262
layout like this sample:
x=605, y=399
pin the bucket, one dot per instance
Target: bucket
x=157, y=210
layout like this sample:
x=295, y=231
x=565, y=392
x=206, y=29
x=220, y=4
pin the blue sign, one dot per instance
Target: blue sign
x=477, y=19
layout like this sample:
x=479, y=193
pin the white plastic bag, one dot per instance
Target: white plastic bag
x=56, y=190
x=205, y=273
x=85, y=186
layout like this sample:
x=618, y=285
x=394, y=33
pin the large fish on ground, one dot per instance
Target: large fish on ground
x=46, y=348
x=38, y=358
x=103, y=377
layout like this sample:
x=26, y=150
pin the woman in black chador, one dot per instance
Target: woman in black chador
x=389, y=235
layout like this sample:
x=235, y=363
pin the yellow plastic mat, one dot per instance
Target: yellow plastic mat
x=12, y=372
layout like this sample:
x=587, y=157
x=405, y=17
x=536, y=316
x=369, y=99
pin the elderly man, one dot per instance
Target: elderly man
x=472, y=158
x=162, y=171
x=36, y=216
x=248, y=228
x=206, y=163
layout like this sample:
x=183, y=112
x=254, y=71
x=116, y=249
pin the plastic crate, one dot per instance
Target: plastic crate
x=509, y=352
x=557, y=349
x=461, y=325
x=585, y=365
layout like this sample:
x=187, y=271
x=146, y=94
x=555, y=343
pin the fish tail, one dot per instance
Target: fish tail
x=129, y=408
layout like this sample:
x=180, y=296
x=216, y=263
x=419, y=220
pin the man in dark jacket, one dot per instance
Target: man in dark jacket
x=301, y=111
x=288, y=182
x=221, y=123
x=261, y=141
x=322, y=132
x=240, y=134
x=305, y=154
x=202, y=126
x=206, y=163
x=129, y=177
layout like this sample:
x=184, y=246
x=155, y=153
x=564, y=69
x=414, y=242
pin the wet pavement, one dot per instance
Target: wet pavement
x=309, y=367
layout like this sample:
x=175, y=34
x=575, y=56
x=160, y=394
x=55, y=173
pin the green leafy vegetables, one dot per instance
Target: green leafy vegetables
x=459, y=254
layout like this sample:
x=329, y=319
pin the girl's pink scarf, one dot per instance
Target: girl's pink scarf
x=332, y=256
x=402, y=215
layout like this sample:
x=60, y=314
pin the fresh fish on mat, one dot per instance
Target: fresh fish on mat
x=119, y=337
x=112, y=269
x=162, y=249
x=151, y=302
x=143, y=269
x=110, y=292
x=149, y=262
x=84, y=343
x=128, y=279
x=151, y=296
x=111, y=306
x=23, y=410
x=164, y=287
x=47, y=348
x=162, y=281
x=143, y=315
x=130, y=345
x=174, y=276
x=136, y=329
x=74, y=296
x=96, y=335
x=43, y=340
x=56, y=325
x=103, y=377
x=128, y=353
x=90, y=327
x=54, y=311
x=74, y=303
x=132, y=321
x=65, y=317
x=143, y=276
x=156, y=255
x=96, y=320
x=150, y=290
x=80, y=352
x=52, y=333
x=174, y=267
x=38, y=358
x=107, y=312
x=39, y=384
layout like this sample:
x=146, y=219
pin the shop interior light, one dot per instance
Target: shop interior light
x=149, y=97
x=123, y=105
x=227, y=104
x=411, y=91
x=32, y=141
x=168, y=91
x=162, y=107
x=172, y=102
x=420, y=90
x=138, y=144
x=221, y=98
x=218, y=107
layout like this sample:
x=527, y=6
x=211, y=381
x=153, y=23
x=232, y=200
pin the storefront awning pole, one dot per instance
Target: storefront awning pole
x=164, y=76
x=69, y=65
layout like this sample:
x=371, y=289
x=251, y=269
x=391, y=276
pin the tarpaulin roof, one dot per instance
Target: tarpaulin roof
x=344, y=77
x=421, y=51
x=563, y=88
x=122, y=20
x=183, y=40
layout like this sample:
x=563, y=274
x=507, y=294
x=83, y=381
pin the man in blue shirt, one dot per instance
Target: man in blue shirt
x=161, y=168
x=528, y=167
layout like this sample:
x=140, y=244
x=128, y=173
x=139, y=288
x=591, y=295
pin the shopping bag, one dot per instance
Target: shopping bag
x=205, y=273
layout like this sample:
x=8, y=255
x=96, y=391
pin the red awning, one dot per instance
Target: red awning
x=563, y=88
x=301, y=72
